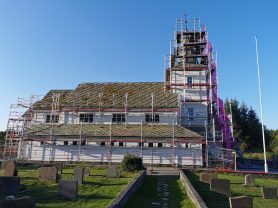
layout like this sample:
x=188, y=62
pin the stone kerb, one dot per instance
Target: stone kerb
x=191, y=192
x=130, y=189
x=241, y=202
x=221, y=186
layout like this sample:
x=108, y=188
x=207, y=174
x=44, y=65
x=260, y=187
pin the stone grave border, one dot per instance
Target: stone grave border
x=191, y=192
x=129, y=190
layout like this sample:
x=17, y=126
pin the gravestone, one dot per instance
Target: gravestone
x=113, y=172
x=59, y=167
x=206, y=177
x=241, y=202
x=23, y=202
x=10, y=185
x=269, y=193
x=48, y=174
x=10, y=169
x=78, y=175
x=86, y=172
x=4, y=164
x=221, y=186
x=250, y=180
x=68, y=189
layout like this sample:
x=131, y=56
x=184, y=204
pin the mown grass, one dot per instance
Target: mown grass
x=147, y=194
x=215, y=200
x=97, y=190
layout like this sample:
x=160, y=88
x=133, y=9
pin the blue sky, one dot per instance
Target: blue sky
x=58, y=44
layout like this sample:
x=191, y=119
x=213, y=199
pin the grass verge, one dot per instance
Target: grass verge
x=148, y=193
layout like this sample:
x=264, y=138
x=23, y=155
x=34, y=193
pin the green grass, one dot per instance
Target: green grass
x=97, y=190
x=258, y=155
x=215, y=200
x=238, y=189
x=147, y=193
x=211, y=199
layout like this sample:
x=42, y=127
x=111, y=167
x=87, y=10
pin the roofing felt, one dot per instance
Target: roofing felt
x=116, y=130
x=112, y=95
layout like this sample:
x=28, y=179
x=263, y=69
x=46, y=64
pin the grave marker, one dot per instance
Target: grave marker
x=221, y=186
x=68, y=189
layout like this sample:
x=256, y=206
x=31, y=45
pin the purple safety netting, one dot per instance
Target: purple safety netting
x=221, y=117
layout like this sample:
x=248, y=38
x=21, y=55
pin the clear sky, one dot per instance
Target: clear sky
x=57, y=44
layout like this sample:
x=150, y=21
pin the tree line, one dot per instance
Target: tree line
x=248, y=128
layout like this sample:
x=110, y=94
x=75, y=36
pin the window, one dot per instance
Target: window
x=121, y=144
x=42, y=143
x=102, y=144
x=159, y=144
x=141, y=144
x=74, y=143
x=83, y=142
x=189, y=81
x=112, y=143
x=190, y=113
x=52, y=119
x=118, y=118
x=150, y=144
x=152, y=118
x=86, y=118
x=66, y=143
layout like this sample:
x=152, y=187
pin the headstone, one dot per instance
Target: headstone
x=269, y=193
x=4, y=164
x=68, y=189
x=10, y=185
x=78, y=175
x=241, y=202
x=24, y=202
x=250, y=180
x=48, y=174
x=10, y=169
x=59, y=167
x=86, y=172
x=113, y=172
x=206, y=177
x=221, y=186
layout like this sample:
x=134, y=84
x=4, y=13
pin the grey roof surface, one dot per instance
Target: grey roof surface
x=117, y=130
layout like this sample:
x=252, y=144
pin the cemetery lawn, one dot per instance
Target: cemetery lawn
x=96, y=191
x=147, y=194
x=216, y=200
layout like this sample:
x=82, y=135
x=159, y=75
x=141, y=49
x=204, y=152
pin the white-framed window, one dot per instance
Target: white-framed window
x=152, y=118
x=189, y=81
x=86, y=118
x=52, y=118
x=118, y=118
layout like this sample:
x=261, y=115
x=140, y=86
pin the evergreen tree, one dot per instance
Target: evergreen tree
x=247, y=126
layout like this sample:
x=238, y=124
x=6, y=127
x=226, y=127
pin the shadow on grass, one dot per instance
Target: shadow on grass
x=211, y=199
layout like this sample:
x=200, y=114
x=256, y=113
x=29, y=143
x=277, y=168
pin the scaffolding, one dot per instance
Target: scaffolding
x=20, y=118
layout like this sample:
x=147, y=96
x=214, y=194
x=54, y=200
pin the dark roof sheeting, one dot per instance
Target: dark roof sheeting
x=112, y=95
